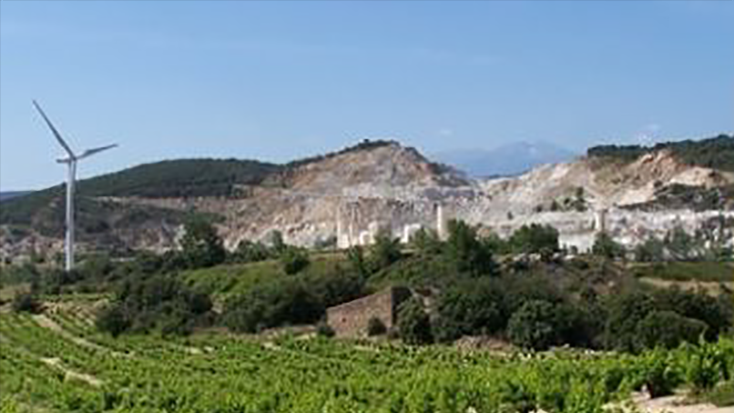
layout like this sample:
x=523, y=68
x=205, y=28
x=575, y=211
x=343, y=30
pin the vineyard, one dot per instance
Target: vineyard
x=57, y=361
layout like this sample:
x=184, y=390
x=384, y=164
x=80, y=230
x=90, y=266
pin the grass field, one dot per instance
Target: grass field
x=687, y=271
x=231, y=279
x=56, y=362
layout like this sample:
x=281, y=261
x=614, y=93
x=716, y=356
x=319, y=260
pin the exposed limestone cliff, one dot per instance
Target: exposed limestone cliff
x=348, y=195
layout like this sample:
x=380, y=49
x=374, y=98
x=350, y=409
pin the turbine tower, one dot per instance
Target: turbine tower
x=71, y=162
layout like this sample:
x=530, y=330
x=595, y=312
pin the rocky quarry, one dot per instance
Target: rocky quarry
x=345, y=199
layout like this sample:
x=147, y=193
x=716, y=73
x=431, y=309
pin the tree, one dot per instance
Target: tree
x=426, y=242
x=271, y=305
x=534, y=325
x=535, y=239
x=276, y=242
x=96, y=266
x=294, y=260
x=605, y=246
x=626, y=311
x=385, y=250
x=202, y=246
x=579, y=203
x=668, y=329
x=154, y=302
x=355, y=255
x=248, y=251
x=715, y=312
x=113, y=320
x=652, y=250
x=414, y=325
x=26, y=303
x=680, y=244
x=467, y=253
x=474, y=306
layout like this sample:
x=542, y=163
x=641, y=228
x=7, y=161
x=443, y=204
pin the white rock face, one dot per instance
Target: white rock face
x=499, y=205
x=348, y=197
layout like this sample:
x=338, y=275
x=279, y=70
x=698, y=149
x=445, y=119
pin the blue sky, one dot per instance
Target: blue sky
x=280, y=80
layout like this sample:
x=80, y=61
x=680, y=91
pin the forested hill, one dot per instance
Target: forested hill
x=174, y=178
x=715, y=153
x=180, y=178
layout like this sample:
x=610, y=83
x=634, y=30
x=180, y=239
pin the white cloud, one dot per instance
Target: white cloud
x=446, y=132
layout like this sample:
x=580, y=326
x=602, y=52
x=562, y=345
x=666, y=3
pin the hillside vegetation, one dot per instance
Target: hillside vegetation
x=180, y=178
x=175, y=178
x=174, y=332
x=71, y=367
x=714, y=153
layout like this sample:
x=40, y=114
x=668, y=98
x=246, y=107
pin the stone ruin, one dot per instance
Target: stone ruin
x=351, y=319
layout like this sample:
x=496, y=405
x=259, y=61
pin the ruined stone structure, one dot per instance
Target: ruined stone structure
x=350, y=319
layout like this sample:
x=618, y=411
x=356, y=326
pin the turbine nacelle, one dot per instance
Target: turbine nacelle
x=86, y=154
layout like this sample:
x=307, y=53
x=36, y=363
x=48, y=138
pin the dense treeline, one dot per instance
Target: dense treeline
x=180, y=178
x=534, y=297
x=716, y=152
x=175, y=178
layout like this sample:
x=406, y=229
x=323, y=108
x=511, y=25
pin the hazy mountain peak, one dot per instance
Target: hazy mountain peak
x=509, y=159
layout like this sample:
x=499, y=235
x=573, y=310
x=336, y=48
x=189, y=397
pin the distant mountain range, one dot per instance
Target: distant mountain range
x=506, y=160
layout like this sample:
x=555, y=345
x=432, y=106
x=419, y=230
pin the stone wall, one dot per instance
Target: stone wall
x=350, y=319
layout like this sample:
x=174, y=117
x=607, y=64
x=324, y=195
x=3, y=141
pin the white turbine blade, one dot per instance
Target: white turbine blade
x=90, y=152
x=53, y=129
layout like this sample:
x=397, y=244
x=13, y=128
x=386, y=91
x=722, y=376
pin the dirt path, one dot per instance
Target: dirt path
x=50, y=324
x=55, y=362
x=712, y=287
x=674, y=404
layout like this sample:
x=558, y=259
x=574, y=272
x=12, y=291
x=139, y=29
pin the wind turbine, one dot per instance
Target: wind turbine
x=71, y=162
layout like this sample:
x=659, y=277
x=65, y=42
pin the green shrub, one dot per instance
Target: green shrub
x=248, y=251
x=26, y=302
x=414, y=324
x=517, y=395
x=605, y=246
x=660, y=374
x=625, y=312
x=534, y=239
x=471, y=307
x=533, y=325
x=202, y=246
x=466, y=251
x=294, y=260
x=426, y=242
x=272, y=304
x=355, y=256
x=669, y=329
x=113, y=320
x=723, y=395
x=385, y=250
x=159, y=302
x=715, y=312
x=706, y=365
x=652, y=250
